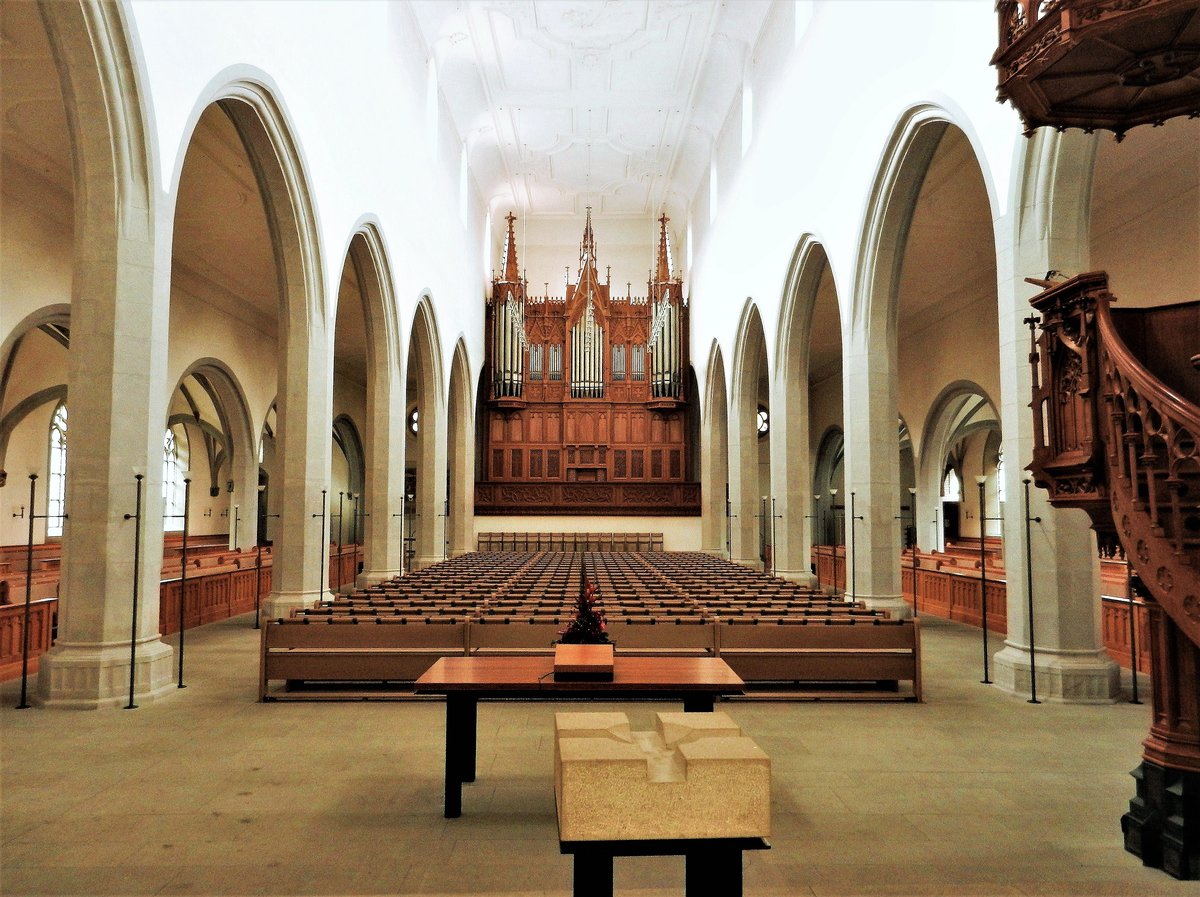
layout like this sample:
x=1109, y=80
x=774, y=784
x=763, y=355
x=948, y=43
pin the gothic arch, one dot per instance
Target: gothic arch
x=790, y=437
x=383, y=482
x=746, y=484
x=425, y=391
x=249, y=97
x=946, y=423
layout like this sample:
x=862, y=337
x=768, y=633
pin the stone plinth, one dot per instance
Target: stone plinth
x=694, y=776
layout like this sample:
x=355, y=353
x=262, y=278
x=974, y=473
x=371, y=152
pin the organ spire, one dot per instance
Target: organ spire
x=511, y=269
x=662, y=271
x=589, y=278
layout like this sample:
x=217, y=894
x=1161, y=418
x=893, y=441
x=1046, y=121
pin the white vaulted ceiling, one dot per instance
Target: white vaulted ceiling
x=567, y=103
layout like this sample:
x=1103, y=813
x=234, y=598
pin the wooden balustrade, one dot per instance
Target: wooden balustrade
x=212, y=595
x=952, y=593
x=41, y=626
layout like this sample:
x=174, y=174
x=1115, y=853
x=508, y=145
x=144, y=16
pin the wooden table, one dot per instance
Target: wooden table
x=465, y=680
x=712, y=866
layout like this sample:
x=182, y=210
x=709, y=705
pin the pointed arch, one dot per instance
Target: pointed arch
x=949, y=420
x=383, y=453
x=790, y=436
x=426, y=393
x=748, y=487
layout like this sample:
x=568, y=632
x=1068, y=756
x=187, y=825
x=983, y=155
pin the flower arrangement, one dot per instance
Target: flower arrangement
x=588, y=627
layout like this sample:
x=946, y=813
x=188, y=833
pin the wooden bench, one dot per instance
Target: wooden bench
x=346, y=649
x=852, y=650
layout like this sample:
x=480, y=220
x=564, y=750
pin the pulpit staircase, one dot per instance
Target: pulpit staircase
x=1116, y=406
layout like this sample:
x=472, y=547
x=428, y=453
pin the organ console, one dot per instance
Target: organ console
x=585, y=409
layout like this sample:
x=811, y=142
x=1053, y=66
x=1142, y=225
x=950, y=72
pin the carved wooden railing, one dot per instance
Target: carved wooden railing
x=1118, y=442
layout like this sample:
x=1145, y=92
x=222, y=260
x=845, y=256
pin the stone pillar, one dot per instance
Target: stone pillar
x=714, y=466
x=243, y=502
x=744, y=495
x=872, y=469
x=384, y=451
x=462, y=477
x=1051, y=232
x=117, y=368
x=791, y=481
x=431, y=482
x=304, y=450
x=116, y=418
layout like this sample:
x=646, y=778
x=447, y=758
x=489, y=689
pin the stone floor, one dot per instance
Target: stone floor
x=208, y=792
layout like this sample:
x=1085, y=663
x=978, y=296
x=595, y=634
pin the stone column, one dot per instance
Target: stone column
x=1050, y=224
x=791, y=481
x=117, y=368
x=304, y=449
x=743, y=483
x=431, y=482
x=384, y=451
x=714, y=465
x=872, y=469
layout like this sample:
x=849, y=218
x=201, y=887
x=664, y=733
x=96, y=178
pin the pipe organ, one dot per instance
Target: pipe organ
x=586, y=409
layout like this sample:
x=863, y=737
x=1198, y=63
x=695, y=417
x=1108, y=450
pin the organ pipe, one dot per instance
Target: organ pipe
x=508, y=344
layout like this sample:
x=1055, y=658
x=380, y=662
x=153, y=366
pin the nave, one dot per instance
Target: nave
x=208, y=792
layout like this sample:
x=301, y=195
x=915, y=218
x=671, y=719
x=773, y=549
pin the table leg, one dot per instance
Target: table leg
x=593, y=874
x=469, y=734
x=698, y=703
x=458, y=713
x=713, y=873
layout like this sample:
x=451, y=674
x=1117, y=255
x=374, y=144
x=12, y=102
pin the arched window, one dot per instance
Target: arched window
x=951, y=486
x=174, y=464
x=414, y=421
x=1000, y=476
x=763, y=421
x=57, y=480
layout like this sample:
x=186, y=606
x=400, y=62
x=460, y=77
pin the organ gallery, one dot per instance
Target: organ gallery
x=586, y=407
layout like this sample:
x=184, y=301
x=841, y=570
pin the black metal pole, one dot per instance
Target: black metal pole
x=258, y=577
x=354, y=549
x=24, y=705
x=812, y=538
x=916, y=561
x=187, y=502
x=339, y=544
x=136, y=517
x=854, y=518
x=257, y=583
x=401, y=516
x=1133, y=657
x=237, y=525
x=323, y=586
x=983, y=583
x=1029, y=594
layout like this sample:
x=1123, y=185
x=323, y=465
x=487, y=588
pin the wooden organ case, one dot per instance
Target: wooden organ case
x=583, y=407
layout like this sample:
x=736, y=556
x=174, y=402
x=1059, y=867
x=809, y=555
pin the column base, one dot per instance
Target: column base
x=896, y=607
x=279, y=605
x=1076, y=677
x=374, y=577
x=1162, y=826
x=90, y=677
x=421, y=561
x=802, y=577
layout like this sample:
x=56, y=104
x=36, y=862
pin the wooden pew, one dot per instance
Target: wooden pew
x=349, y=650
x=878, y=650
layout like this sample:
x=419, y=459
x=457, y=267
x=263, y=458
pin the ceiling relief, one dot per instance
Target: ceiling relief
x=570, y=103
